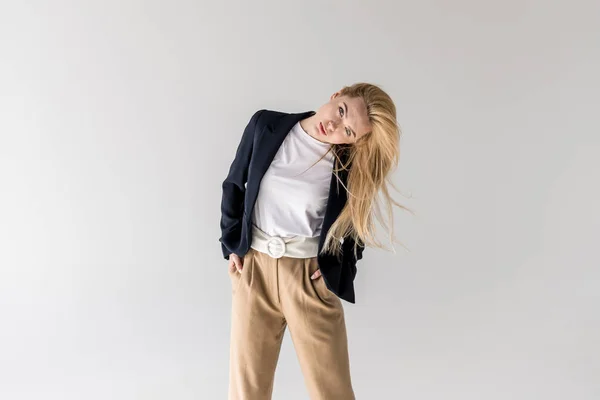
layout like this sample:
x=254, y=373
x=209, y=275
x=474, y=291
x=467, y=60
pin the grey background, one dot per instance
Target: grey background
x=119, y=119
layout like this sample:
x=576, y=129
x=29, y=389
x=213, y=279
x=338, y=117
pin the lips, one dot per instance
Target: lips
x=322, y=129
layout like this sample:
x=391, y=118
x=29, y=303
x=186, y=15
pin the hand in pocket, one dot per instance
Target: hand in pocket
x=235, y=263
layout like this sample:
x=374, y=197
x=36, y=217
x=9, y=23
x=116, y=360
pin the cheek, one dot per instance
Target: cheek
x=330, y=112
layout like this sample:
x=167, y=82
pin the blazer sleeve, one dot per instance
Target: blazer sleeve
x=234, y=190
x=360, y=247
x=350, y=260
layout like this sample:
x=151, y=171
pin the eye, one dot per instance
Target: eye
x=348, y=132
x=341, y=111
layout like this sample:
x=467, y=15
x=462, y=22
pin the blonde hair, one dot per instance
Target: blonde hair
x=368, y=163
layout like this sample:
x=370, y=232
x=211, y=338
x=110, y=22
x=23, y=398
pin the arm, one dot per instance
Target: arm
x=234, y=189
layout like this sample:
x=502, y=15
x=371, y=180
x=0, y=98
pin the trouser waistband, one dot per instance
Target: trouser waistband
x=277, y=247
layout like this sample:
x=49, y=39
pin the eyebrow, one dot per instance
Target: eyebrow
x=346, y=107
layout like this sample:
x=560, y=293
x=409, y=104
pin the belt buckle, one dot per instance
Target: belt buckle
x=276, y=247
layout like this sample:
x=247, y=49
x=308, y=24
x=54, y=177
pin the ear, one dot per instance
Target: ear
x=333, y=96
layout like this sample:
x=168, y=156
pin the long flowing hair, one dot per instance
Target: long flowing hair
x=368, y=163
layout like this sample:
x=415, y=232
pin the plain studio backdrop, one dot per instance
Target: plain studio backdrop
x=118, y=123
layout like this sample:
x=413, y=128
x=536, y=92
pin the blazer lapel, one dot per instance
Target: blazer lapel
x=266, y=147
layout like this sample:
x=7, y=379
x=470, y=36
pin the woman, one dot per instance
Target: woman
x=297, y=211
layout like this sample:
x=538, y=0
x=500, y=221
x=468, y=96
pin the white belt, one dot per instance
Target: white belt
x=277, y=247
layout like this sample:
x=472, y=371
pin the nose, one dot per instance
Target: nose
x=331, y=126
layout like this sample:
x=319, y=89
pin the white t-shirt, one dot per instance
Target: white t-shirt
x=292, y=198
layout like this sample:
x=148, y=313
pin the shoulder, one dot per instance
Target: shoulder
x=264, y=117
x=268, y=115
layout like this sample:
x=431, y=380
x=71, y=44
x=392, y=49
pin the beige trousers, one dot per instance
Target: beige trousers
x=269, y=295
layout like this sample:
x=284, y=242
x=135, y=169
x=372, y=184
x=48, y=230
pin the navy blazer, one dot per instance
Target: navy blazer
x=260, y=141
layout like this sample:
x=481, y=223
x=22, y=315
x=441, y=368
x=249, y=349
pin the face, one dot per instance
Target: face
x=343, y=120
